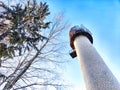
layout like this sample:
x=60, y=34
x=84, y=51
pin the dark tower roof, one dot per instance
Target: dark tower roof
x=77, y=31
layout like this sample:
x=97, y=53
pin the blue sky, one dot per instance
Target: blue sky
x=102, y=18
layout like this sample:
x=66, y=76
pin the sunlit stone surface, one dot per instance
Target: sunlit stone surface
x=96, y=74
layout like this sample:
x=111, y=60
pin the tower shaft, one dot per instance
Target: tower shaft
x=96, y=74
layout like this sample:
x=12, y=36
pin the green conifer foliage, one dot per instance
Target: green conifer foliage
x=21, y=27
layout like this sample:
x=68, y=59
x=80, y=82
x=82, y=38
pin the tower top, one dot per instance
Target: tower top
x=76, y=31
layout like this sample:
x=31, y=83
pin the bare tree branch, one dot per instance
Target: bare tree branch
x=38, y=65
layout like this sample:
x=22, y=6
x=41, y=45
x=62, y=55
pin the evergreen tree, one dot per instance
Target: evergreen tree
x=30, y=47
x=21, y=27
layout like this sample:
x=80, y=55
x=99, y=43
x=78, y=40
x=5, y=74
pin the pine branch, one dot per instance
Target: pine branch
x=24, y=29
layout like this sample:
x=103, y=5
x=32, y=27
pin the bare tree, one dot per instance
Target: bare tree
x=30, y=47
